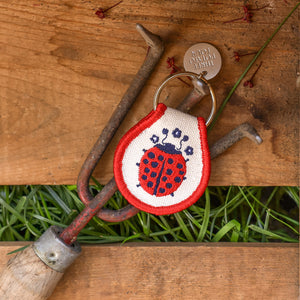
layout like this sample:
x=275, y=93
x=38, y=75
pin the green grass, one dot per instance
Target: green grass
x=233, y=214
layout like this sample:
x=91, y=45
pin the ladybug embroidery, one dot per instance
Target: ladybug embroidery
x=162, y=163
x=162, y=168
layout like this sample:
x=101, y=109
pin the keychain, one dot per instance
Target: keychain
x=162, y=164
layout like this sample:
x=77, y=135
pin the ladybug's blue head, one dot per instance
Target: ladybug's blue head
x=168, y=148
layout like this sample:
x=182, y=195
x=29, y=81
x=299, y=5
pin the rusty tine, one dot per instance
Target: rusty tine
x=138, y=82
x=243, y=130
x=154, y=54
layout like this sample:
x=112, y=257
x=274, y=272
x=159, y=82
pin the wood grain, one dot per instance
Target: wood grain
x=179, y=271
x=63, y=71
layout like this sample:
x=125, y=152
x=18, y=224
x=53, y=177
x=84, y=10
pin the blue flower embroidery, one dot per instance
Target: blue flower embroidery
x=177, y=133
x=189, y=150
x=154, y=139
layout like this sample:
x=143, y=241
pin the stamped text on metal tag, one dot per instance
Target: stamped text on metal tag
x=203, y=57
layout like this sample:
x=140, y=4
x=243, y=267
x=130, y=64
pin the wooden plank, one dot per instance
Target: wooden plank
x=63, y=71
x=179, y=271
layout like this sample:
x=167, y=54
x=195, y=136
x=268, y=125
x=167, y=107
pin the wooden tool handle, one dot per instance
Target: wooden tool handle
x=34, y=273
x=26, y=277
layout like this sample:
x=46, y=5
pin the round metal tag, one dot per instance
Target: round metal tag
x=203, y=57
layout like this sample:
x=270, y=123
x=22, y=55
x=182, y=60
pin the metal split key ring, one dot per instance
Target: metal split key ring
x=194, y=76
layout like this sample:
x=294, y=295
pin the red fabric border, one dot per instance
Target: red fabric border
x=146, y=122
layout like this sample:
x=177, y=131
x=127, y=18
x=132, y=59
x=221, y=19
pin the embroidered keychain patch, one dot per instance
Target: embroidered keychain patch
x=162, y=164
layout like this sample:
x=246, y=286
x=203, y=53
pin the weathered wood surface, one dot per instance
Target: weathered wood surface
x=63, y=71
x=179, y=271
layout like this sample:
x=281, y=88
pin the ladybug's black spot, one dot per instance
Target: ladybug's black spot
x=179, y=166
x=153, y=174
x=150, y=184
x=145, y=161
x=164, y=179
x=160, y=157
x=151, y=155
x=170, y=161
x=169, y=185
x=154, y=164
x=147, y=170
x=177, y=179
x=144, y=177
x=181, y=172
x=169, y=171
x=162, y=190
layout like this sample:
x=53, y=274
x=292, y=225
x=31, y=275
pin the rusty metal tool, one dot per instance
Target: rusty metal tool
x=57, y=249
